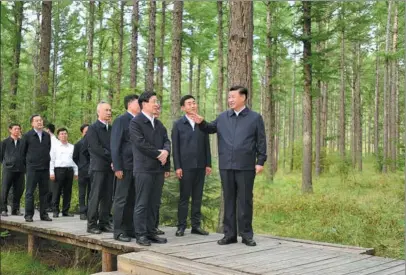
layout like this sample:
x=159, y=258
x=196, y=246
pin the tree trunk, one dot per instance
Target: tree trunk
x=386, y=93
x=120, y=53
x=342, y=99
x=100, y=54
x=55, y=60
x=111, y=72
x=307, y=100
x=46, y=33
x=176, y=69
x=36, y=58
x=134, y=43
x=220, y=57
x=393, y=91
x=376, y=116
x=198, y=80
x=90, y=62
x=18, y=10
x=149, y=76
x=191, y=73
x=318, y=112
x=161, y=55
x=292, y=118
x=358, y=107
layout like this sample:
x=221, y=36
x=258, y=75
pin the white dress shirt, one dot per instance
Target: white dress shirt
x=237, y=113
x=39, y=133
x=150, y=119
x=61, y=156
x=192, y=123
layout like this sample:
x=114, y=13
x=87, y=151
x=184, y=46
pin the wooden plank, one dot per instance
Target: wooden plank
x=353, y=249
x=156, y=263
x=318, y=265
x=351, y=267
x=391, y=271
x=381, y=267
x=109, y=261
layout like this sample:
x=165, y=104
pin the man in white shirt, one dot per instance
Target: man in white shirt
x=62, y=169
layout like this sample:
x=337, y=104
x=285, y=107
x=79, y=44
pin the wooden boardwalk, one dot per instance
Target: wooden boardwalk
x=194, y=254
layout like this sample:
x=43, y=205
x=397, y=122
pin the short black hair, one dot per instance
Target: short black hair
x=14, y=124
x=241, y=90
x=83, y=127
x=129, y=99
x=32, y=117
x=184, y=98
x=144, y=97
x=63, y=129
x=51, y=127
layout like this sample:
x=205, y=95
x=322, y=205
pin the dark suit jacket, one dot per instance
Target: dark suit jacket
x=146, y=141
x=10, y=155
x=98, y=140
x=81, y=157
x=190, y=148
x=241, y=139
x=121, y=148
x=35, y=153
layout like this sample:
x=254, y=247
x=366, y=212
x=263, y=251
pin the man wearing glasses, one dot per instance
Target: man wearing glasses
x=151, y=148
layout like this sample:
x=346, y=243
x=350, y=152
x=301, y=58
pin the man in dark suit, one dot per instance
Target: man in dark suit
x=13, y=170
x=101, y=191
x=242, y=154
x=151, y=148
x=36, y=145
x=122, y=155
x=81, y=158
x=192, y=160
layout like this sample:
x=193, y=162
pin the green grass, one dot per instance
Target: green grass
x=366, y=209
x=18, y=262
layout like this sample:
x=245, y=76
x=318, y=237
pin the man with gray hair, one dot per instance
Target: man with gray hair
x=98, y=142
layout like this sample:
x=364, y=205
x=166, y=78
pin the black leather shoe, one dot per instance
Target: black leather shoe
x=227, y=240
x=107, y=228
x=180, y=232
x=49, y=209
x=83, y=217
x=249, y=242
x=16, y=213
x=67, y=215
x=199, y=231
x=123, y=238
x=144, y=241
x=29, y=219
x=158, y=231
x=94, y=230
x=156, y=239
x=55, y=215
x=46, y=218
x=4, y=213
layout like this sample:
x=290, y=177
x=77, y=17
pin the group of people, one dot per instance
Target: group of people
x=121, y=167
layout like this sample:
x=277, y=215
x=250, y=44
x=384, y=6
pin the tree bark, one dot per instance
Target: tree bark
x=149, y=76
x=134, y=43
x=18, y=11
x=358, y=106
x=342, y=97
x=100, y=54
x=292, y=119
x=176, y=69
x=111, y=71
x=307, y=100
x=161, y=55
x=55, y=60
x=376, y=116
x=386, y=93
x=191, y=65
x=90, y=61
x=46, y=33
x=220, y=57
x=393, y=97
x=120, y=53
x=36, y=57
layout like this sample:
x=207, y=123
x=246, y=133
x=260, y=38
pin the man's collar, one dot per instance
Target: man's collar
x=147, y=116
x=131, y=114
x=243, y=111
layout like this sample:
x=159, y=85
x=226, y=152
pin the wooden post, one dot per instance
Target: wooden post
x=109, y=261
x=31, y=244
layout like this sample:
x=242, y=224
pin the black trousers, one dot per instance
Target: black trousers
x=148, y=192
x=237, y=188
x=84, y=192
x=34, y=178
x=62, y=185
x=49, y=196
x=100, y=202
x=123, y=205
x=191, y=185
x=15, y=180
